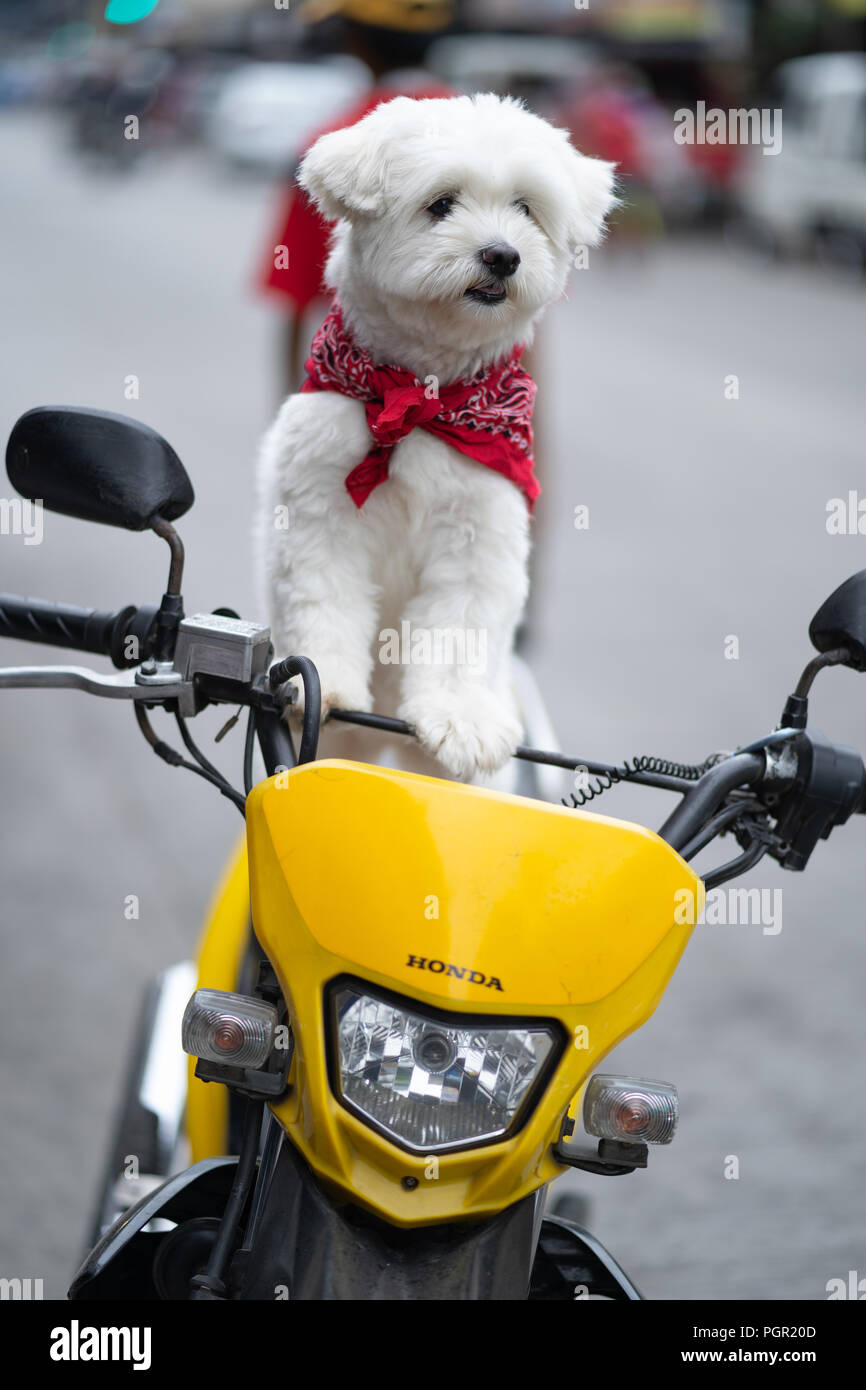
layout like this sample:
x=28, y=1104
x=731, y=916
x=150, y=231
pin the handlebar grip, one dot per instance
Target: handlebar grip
x=126, y=635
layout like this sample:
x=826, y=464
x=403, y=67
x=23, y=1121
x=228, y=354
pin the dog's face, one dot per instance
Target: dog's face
x=470, y=207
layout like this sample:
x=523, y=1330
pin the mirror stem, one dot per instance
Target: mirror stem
x=796, y=711
x=175, y=544
x=832, y=658
x=171, y=609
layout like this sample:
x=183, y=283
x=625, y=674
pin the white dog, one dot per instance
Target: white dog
x=395, y=499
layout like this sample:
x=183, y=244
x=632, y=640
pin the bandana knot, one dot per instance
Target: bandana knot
x=487, y=418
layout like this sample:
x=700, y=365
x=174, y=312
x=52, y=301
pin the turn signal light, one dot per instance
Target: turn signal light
x=633, y=1111
x=228, y=1028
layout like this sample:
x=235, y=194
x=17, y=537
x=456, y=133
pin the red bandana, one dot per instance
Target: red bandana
x=487, y=418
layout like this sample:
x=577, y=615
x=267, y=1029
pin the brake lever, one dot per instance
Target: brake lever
x=155, y=687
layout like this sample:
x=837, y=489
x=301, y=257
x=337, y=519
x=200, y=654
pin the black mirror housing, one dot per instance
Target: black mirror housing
x=97, y=466
x=841, y=621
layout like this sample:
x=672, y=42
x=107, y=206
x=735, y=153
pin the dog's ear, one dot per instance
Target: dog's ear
x=344, y=172
x=593, y=188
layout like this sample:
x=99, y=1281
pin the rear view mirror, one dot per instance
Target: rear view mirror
x=97, y=466
x=841, y=621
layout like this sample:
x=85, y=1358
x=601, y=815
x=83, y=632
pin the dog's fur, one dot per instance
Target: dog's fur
x=444, y=542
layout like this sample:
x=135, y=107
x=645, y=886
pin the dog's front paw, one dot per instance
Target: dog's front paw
x=469, y=732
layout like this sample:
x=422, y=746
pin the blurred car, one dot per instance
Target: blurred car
x=811, y=197
x=613, y=114
x=125, y=82
x=28, y=77
x=264, y=112
x=535, y=67
x=569, y=81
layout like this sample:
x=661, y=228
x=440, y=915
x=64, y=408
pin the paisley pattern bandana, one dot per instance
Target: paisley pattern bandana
x=487, y=418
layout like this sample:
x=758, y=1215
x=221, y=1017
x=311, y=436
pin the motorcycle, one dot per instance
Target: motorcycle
x=407, y=985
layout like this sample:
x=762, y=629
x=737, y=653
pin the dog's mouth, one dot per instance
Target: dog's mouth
x=487, y=293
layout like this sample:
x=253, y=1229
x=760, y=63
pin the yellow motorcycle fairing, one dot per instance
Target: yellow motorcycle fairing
x=543, y=913
x=223, y=943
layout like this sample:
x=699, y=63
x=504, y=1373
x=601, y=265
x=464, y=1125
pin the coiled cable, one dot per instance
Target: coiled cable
x=629, y=769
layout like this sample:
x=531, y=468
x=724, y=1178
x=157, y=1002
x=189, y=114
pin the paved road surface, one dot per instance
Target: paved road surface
x=707, y=521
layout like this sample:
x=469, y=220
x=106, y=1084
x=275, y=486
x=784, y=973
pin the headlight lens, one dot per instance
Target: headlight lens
x=431, y=1083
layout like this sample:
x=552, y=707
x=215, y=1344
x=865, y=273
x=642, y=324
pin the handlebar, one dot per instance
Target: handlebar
x=793, y=777
x=125, y=636
x=707, y=795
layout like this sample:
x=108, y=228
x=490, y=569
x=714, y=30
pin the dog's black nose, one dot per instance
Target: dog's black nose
x=502, y=259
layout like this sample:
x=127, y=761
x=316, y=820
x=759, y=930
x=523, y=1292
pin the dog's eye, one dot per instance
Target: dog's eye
x=524, y=206
x=441, y=207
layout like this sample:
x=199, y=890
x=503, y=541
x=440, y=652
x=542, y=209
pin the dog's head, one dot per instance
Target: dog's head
x=472, y=208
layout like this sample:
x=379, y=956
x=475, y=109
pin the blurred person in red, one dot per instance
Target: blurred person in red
x=391, y=37
x=717, y=166
x=615, y=116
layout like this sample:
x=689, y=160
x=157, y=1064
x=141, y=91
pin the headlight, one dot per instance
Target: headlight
x=437, y=1081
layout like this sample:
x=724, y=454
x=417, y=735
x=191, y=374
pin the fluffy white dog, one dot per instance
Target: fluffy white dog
x=394, y=500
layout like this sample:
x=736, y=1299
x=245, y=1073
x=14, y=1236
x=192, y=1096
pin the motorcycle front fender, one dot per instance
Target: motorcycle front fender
x=120, y=1265
x=309, y=1246
x=315, y=1247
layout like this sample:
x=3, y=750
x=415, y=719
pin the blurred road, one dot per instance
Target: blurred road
x=706, y=522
